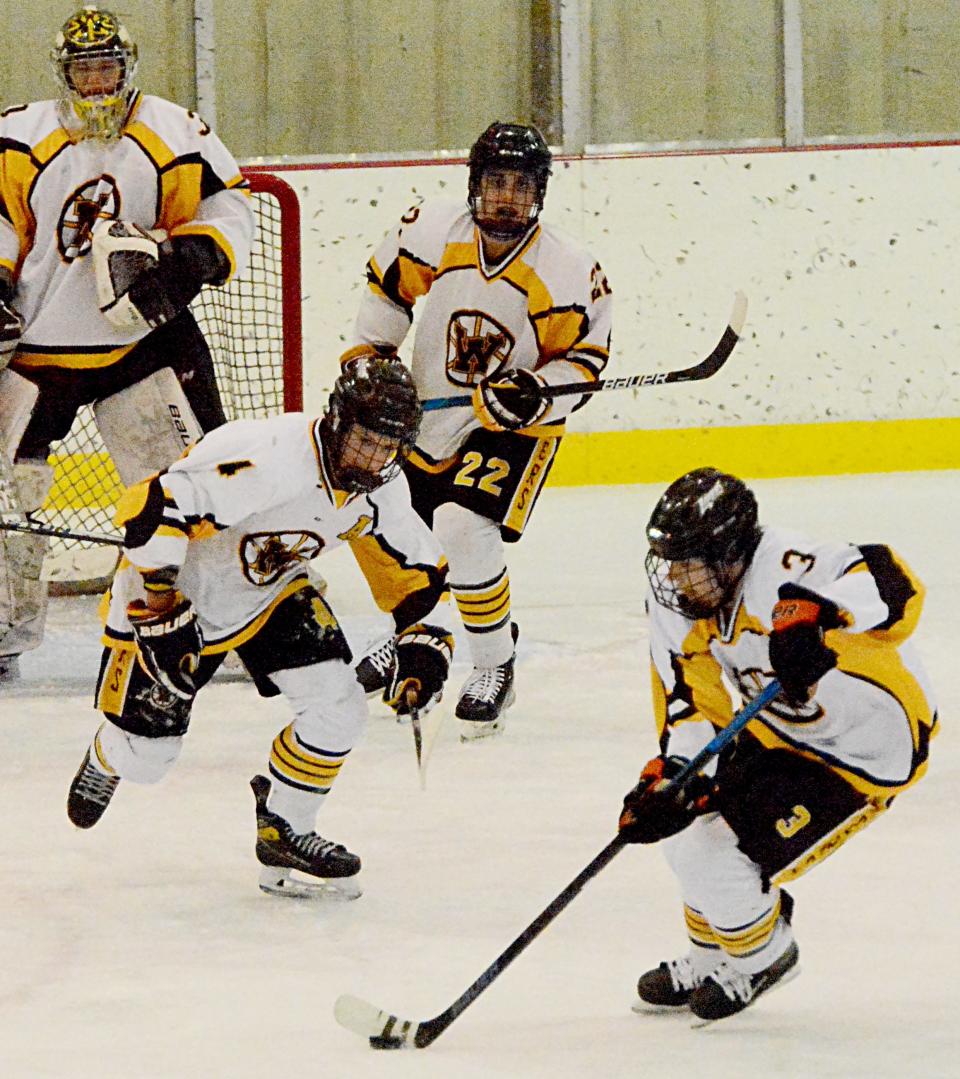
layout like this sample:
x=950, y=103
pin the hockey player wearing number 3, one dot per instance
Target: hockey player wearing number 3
x=90, y=303
x=509, y=306
x=215, y=559
x=849, y=732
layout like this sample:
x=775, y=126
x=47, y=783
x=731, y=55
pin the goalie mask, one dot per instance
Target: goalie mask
x=371, y=423
x=509, y=168
x=702, y=534
x=94, y=61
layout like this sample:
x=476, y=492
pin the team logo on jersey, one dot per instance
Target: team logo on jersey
x=81, y=211
x=477, y=347
x=266, y=555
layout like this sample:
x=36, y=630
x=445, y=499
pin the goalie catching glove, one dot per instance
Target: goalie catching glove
x=421, y=662
x=509, y=402
x=798, y=656
x=169, y=644
x=145, y=279
x=656, y=809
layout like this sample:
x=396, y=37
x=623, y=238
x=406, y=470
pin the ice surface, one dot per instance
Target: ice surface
x=143, y=948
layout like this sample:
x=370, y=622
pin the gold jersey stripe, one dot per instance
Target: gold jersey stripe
x=254, y=627
x=218, y=238
x=390, y=581
x=73, y=361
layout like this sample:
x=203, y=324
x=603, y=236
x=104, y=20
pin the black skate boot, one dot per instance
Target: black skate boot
x=667, y=986
x=90, y=794
x=374, y=667
x=485, y=696
x=280, y=849
x=9, y=670
x=726, y=991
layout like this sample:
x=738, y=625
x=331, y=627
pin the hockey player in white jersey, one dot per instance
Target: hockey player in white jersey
x=733, y=603
x=115, y=209
x=510, y=306
x=215, y=559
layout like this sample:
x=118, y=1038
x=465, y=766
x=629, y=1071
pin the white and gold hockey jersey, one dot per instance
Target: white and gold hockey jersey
x=240, y=515
x=546, y=307
x=870, y=719
x=167, y=171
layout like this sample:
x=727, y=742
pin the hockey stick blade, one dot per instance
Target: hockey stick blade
x=384, y=1030
x=706, y=368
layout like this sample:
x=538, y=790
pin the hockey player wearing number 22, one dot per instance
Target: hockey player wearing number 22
x=215, y=559
x=510, y=306
x=733, y=601
x=93, y=299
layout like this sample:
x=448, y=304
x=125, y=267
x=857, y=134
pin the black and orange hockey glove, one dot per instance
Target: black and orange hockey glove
x=656, y=809
x=798, y=655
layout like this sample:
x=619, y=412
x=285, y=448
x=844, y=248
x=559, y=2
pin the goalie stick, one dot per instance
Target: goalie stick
x=708, y=366
x=387, y=1031
x=33, y=528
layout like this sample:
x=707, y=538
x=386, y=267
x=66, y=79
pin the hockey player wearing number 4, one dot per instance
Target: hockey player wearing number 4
x=848, y=733
x=215, y=559
x=510, y=306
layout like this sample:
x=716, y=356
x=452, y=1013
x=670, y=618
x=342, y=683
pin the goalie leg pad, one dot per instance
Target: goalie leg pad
x=23, y=596
x=147, y=426
x=18, y=397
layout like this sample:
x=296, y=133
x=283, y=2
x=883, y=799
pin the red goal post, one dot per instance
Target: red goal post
x=253, y=326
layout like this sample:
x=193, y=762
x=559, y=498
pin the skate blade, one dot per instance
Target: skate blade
x=642, y=1007
x=698, y=1024
x=281, y=882
x=471, y=731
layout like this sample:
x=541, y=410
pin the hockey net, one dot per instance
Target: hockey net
x=253, y=328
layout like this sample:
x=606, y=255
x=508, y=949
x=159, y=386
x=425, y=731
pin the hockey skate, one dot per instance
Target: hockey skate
x=667, y=987
x=9, y=670
x=280, y=850
x=485, y=696
x=90, y=794
x=374, y=668
x=672, y=985
x=727, y=991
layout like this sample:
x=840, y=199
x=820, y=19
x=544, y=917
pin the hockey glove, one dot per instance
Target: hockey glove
x=184, y=264
x=353, y=357
x=11, y=322
x=798, y=656
x=421, y=662
x=509, y=402
x=656, y=809
x=169, y=644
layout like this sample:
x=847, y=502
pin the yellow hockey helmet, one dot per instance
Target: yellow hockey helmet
x=95, y=61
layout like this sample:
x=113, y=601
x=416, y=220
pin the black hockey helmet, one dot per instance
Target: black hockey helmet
x=377, y=395
x=93, y=34
x=514, y=147
x=702, y=534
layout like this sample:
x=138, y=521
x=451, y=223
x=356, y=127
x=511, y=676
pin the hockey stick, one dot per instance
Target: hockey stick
x=708, y=366
x=417, y=736
x=31, y=528
x=387, y=1031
